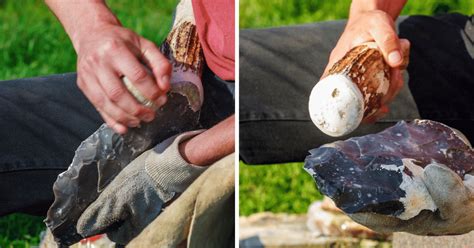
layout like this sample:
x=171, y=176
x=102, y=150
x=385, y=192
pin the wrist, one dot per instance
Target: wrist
x=391, y=7
x=90, y=17
x=211, y=145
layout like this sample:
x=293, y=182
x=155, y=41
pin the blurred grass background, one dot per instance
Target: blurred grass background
x=267, y=13
x=287, y=187
x=33, y=43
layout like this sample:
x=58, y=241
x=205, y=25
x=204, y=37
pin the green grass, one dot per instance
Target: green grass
x=275, y=188
x=18, y=230
x=33, y=43
x=286, y=187
x=265, y=13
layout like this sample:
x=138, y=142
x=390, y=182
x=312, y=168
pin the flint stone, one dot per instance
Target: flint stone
x=105, y=153
x=382, y=173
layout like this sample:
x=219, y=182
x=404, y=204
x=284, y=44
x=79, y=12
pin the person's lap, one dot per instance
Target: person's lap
x=43, y=121
x=279, y=67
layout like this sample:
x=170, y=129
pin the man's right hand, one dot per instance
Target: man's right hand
x=374, y=20
x=106, y=52
x=110, y=52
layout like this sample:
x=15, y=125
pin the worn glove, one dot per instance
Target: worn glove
x=453, y=197
x=137, y=195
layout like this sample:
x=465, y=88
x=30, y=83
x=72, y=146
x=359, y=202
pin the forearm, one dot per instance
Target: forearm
x=391, y=7
x=80, y=17
x=211, y=145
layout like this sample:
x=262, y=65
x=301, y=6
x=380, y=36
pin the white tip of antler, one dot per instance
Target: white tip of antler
x=336, y=105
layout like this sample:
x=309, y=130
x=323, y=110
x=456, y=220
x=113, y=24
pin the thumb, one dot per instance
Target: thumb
x=100, y=217
x=446, y=188
x=385, y=36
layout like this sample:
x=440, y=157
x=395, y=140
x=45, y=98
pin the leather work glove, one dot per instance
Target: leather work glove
x=138, y=194
x=453, y=197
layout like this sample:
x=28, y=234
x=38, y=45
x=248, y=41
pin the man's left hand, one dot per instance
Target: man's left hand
x=139, y=193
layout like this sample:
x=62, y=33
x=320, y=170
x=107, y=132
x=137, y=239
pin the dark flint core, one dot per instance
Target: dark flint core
x=350, y=172
x=102, y=156
x=355, y=188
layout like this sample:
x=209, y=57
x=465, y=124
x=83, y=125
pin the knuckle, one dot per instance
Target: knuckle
x=379, y=14
x=135, y=111
x=138, y=74
x=116, y=93
x=389, y=39
x=163, y=67
x=80, y=83
x=147, y=44
x=378, y=17
x=111, y=45
x=81, y=66
x=122, y=118
x=98, y=101
x=154, y=94
x=92, y=59
x=166, y=66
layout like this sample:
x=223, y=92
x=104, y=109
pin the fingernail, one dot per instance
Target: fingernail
x=394, y=57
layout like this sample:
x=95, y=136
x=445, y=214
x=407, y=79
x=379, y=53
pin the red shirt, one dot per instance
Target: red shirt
x=216, y=28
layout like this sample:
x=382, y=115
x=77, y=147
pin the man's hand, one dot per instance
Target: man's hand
x=137, y=195
x=453, y=197
x=374, y=21
x=106, y=52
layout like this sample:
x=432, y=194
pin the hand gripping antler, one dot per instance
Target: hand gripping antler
x=105, y=153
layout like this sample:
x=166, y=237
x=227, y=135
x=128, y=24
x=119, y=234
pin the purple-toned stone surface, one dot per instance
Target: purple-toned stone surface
x=381, y=173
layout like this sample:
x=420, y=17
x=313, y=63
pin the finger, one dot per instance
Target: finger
x=144, y=210
x=96, y=95
x=349, y=39
x=137, y=73
x=384, y=34
x=119, y=95
x=97, y=218
x=396, y=84
x=381, y=112
x=405, y=47
x=157, y=62
x=117, y=127
x=445, y=187
x=337, y=53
